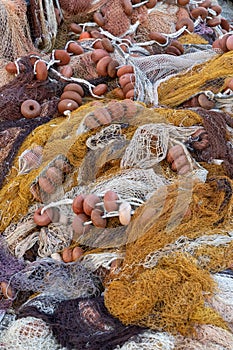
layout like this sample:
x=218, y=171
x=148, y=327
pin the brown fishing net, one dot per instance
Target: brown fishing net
x=25, y=86
x=43, y=24
x=12, y=135
x=160, y=19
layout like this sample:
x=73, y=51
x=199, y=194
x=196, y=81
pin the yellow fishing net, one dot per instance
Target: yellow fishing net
x=171, y=247
x=174, y=240
x=59, y=136
x=208, y=76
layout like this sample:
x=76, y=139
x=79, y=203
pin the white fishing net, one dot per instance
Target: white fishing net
x=28, y=333
x=150, y=340
x=42, y=302
x=150, y=142
x=222, y=300
x=133, y=183
x=105, y=136
x=94, y=261
x=207, y=337
x=24, y=234
x=150, y=71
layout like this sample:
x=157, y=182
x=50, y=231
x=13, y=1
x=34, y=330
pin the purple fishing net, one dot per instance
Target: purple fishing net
x=56, y=278
x=84, y=324
x=9, y=265
x=215, y=123
x=12, y=135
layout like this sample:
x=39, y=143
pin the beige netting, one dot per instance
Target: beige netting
x=207, y=337
x=14, y=32
x=150, y=340
x=222, y=299
x=153, y=71
x=150, y=142
x=28, y=333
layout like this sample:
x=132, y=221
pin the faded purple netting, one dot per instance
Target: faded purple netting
x=57, y=279
x=12, y=135
x=219, y=148
x=84, y=324
x=9, y=265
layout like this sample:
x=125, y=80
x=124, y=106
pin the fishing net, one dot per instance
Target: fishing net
x=26, y=234
x=154, y=72
x=68, y=137
x=25, y=87
x=116, y=21
x=158, y=273
x=85, y=323
x=222, y=299
x=15, y=31
x=12, y=135
x=9, y=263
x=80, y=7
x=28, y=333
x=57, y=279
x=219, y=148
x=150, y=340
x=207, y=337
x=43, y=24
x=83, y=66
x=149, y=144
x=196, y=80
x=162, y=19
x=139, y=275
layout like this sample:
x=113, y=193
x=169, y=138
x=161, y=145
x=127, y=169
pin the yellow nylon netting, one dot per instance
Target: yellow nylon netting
x=59, y=137
x=208, y=76
x=158, y=272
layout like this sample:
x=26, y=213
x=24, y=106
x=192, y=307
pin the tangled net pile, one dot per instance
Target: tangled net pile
x=116, y=175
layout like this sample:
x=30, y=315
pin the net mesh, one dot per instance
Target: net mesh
x=43, y=24
x=85, y=324
x=196, y=80
x=164, y=279
x=55, y=278
x=149, y=233
x=28, y=333
x=222, y=300
x=161, y=18
x=208, y=337
x=68, y=137
x=149, y=145
x=15, y=31
x=177, y=236
x=155, y=71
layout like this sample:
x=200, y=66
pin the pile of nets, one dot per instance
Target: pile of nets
x=116, y=196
